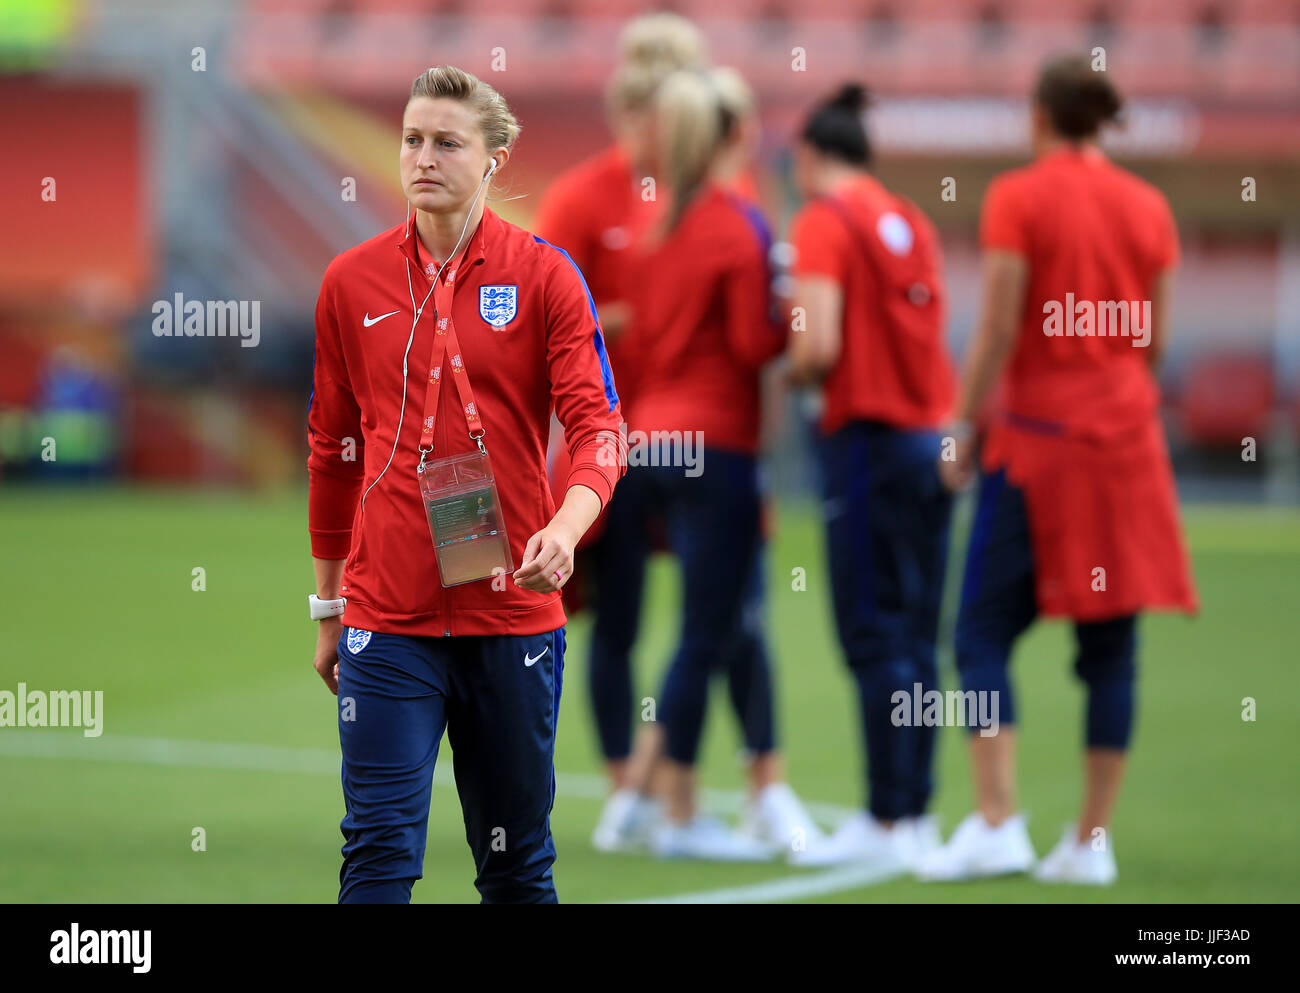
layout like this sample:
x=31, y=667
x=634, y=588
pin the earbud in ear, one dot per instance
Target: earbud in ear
x=492, y=167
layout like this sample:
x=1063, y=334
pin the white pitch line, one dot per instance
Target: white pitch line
x=846, y=877
x=236, y=755
x=233, y=755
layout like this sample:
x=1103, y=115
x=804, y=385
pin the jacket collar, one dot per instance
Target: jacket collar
x=863, y=183
x=487, y=225
x=1087, y=153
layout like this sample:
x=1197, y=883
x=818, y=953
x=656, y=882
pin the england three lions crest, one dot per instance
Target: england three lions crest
x=498, y=304
x=358, y=640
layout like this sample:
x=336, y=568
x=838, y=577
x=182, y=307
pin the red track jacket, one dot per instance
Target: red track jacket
x=1081, y=432
x=550, y=353
x=703, y=326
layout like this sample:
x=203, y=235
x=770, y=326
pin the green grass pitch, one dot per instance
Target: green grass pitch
x=97, y=586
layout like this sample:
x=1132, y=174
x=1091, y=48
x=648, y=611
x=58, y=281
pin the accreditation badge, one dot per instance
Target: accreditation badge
x=469, y=533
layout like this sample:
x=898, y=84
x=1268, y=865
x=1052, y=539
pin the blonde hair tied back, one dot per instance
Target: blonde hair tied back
x=496, y=120
x=692, y=125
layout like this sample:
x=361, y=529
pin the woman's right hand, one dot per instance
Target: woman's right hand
x=327, y=652
x=956, y=473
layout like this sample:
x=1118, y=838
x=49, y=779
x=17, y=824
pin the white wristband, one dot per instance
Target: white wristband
x=320, y=609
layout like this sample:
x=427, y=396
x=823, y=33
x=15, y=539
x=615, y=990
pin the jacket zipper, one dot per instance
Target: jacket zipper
x=444, y=606
x=401, y=416
x=444, y=597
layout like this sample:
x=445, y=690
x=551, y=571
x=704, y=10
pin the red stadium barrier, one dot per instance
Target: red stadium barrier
x=1227, y=398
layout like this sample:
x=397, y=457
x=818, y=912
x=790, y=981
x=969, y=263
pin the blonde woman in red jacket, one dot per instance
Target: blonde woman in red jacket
x=438, y=550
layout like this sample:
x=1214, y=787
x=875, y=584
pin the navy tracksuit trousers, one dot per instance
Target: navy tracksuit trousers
x=713, y=528
x=498, y=698
x=887, y=516
x=998, y=604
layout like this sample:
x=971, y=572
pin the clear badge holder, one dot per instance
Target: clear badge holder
x=469, y=534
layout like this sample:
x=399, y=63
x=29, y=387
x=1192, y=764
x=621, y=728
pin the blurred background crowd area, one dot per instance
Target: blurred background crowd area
x=206, y=148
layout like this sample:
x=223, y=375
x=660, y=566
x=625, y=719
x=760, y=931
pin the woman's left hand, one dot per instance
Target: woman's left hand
x=548, y=559
x=957, y=456
x=957, y=472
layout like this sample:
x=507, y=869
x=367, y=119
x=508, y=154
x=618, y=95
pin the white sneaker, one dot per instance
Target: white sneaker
x=921, y=838
x=705, y=837
x=860, y=839
x=976, y=850
x=777, y=818
x=626, y=822
x=1073, y=861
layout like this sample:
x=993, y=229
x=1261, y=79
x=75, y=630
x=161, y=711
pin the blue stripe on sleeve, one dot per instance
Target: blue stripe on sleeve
x=757, y=222
x=598, y=338
x=312, y=397
x=763, y=234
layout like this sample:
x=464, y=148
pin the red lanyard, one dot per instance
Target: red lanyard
x=445, y=343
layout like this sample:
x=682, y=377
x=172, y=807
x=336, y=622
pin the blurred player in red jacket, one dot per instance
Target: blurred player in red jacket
x=703, y=328
x=869, y=283
x=458, y=296
x=598, y=211
x=1077, y=515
